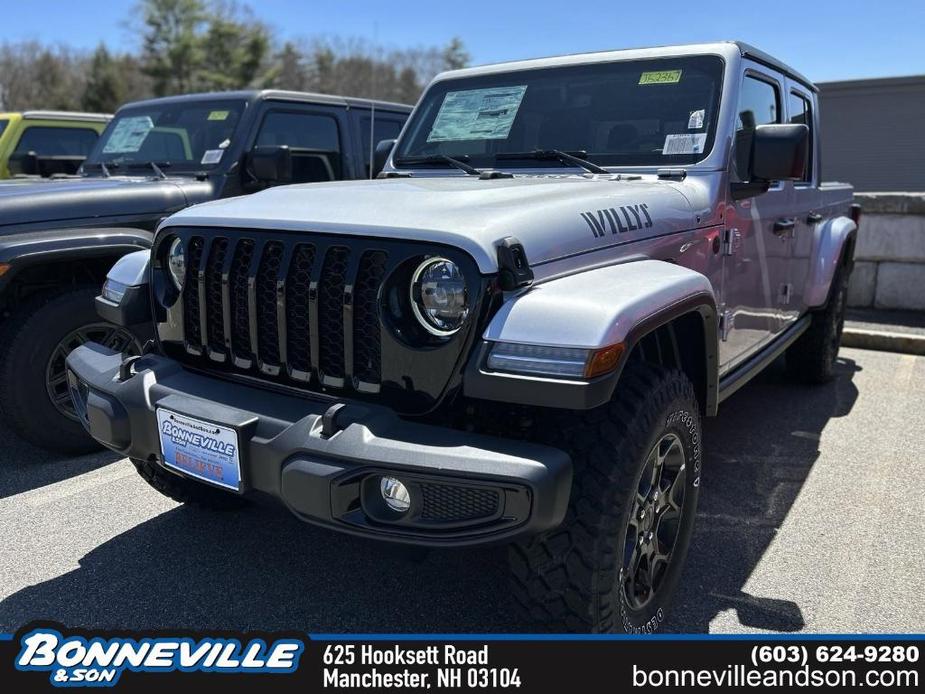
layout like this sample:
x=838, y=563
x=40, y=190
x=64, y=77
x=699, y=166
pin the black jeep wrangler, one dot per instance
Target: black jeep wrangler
x=59, y=237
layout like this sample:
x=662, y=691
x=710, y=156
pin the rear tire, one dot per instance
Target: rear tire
x=36, y=339
x=811, y=359
x=187, y=491
x=600, y=570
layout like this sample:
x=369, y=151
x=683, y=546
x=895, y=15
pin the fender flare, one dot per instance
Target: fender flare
x=594, y=309
x=829, y=241
x=23, y=250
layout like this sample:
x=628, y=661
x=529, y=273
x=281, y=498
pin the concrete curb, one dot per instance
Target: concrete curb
x=883, y=341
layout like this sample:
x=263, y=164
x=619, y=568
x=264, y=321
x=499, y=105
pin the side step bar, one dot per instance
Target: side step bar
x=743, y=373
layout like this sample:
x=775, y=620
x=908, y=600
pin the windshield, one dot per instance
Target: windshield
x=3, y=123
x=185, y=136
x=629, y=113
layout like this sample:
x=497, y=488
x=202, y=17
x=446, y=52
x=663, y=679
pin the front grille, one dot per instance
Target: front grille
x=449, y=503
x=290, y=309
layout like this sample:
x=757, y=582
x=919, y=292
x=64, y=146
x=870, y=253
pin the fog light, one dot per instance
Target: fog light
x=395, y=494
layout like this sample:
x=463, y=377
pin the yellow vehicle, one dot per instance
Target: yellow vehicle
x=42, y=143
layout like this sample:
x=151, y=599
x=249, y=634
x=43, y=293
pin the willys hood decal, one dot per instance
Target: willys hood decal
x=553, y=216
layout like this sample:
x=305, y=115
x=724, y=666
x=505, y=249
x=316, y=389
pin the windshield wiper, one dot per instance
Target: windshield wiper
x=440, y=159
x=103, y=168
x=556, y=155
x=158, y=167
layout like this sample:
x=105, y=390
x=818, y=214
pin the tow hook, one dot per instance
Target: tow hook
x=329, y=425
x=126, y=368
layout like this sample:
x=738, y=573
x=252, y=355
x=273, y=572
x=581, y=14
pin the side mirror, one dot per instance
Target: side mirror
x=270, y=163
x=381, y=156
x=779, y=152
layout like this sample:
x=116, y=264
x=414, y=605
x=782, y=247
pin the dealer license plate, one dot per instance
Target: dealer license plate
x=200, y=449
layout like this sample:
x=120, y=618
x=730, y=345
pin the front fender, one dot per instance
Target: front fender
x=618, y=304
x=22, y=250
x=828, y=244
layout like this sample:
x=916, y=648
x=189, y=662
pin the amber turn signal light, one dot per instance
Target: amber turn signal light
x=604, y=360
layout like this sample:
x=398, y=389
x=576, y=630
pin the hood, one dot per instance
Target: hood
x=53, y=202
x=552, y=216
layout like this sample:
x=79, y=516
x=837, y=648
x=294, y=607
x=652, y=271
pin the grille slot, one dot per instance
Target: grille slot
x=191, y=305
x=331, y=315
x=449, y=503
x=367, y=349
x=237, y=285
x=298, y=279
x=267, y=323
x=213, y=279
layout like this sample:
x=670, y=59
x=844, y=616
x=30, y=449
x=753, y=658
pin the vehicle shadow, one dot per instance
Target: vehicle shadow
x=261, y=568
x=759, y=452
x=24, y=467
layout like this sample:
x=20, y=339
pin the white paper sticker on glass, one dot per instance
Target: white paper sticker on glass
x=477, y=114
x=128, y=135
x=684, y=143
x=695, y=121
x=212, y=156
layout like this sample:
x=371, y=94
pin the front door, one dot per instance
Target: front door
x=758, y=230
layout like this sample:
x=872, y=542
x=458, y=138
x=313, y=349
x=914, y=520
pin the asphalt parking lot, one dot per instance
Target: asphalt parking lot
x=811, y=519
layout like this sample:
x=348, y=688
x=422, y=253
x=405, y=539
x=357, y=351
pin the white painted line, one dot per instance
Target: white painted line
x=71, y=486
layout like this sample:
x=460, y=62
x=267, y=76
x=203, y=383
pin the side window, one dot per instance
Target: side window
x=50, y=141
x=801, y=112
x=386, y=128
x=313, y=139
x=759, y=104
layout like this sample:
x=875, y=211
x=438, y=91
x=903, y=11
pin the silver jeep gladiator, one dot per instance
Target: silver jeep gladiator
x=510, y=336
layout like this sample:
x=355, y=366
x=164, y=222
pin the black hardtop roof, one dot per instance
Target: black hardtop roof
x=251, y=95
x=759, y=56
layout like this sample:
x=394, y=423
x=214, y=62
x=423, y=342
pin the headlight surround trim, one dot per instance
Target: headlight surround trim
x=420, y=311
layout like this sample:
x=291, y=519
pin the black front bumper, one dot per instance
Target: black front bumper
x=323, y=459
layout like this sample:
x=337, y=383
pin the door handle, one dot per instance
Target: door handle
x=784, y=225
x=813, y=218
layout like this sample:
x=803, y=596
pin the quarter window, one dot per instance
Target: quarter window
x=801, y=113
x=759, y=104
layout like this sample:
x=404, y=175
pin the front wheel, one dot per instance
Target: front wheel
x=615, y=562
x=34, y=394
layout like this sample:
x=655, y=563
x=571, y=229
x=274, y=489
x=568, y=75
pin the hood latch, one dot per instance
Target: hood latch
x=514, y=269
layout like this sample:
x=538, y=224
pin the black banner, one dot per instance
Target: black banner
x=48, y=656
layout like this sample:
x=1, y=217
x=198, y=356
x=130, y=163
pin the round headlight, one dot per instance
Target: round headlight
x=176, y=263
x=438, y=296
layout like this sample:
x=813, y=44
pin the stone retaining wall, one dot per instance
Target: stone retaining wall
x=889, y=271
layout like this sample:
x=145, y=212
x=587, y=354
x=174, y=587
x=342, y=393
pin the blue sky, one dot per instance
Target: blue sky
x=825, y=40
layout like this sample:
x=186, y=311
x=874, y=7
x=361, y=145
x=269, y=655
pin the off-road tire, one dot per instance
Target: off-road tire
x=811, y=359
x=570, y=578
x=28, y=339
x=187, y=491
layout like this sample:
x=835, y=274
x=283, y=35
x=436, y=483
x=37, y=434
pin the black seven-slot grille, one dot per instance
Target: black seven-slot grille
x=314, y=312
x=292, y=309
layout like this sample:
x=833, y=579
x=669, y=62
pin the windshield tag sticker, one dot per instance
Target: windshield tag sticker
x=128, y=135
x=477, y=114
x=212, y=156
x=660, y=77
x=618, y=220
x=685, y=143
x=218, y=115
x=695, y=122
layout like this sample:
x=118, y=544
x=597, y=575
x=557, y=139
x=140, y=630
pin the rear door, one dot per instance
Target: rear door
x=757, y=251
x=804, y=199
